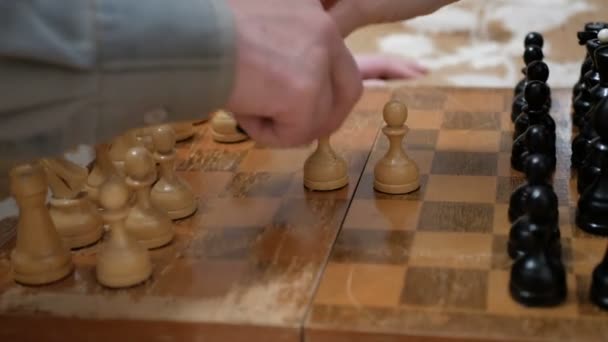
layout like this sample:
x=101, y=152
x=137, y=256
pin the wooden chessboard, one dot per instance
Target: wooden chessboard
x=264, y=259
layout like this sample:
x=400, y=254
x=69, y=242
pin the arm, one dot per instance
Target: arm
x=86, y=70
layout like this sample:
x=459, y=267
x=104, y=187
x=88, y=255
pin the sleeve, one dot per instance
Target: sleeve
x=83, y=71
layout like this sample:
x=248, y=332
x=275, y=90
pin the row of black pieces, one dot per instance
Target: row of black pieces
x=590, y=149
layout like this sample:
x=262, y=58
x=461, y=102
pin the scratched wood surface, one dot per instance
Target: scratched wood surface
x=264, y=259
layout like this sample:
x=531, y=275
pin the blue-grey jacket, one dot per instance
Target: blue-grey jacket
x=84, y=71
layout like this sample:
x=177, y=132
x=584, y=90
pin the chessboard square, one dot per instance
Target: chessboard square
x=500, y=301
x=424, y=119
x=366, y=285
x=423, y=159
x=478, y=189
x=585, y=306
x=190, y=278
x=237, y=212
x=475, y=101
x=258, y=184
x=416, y=139
x=504, y=166
x=506, y=186
x=472, y=121
x=500, y=256
x=310, y=214
x=454, y=250
x=435, y=287
x=468, y=141
x=501, y=224
x=207, y=184
x=505, y=122
x=506, y=142
x=366, y=190
x=372, y=246
x=383, y=214
x=210, y=160
x=587, y=254
x=456, y=217
x=464, y=163
x=421, y=99
x=275, y=160
x=225, y=243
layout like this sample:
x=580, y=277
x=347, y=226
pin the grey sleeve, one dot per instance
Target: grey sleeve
x=83, y=71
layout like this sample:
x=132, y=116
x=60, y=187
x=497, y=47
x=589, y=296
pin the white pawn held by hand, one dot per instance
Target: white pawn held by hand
x=396, y=173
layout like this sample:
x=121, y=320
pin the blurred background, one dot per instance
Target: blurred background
x=480, y=43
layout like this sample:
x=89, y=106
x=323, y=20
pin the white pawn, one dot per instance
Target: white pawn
x=170, y=193
x=325, y=170
x=149, y=225
x=122, y=261
x=395, y=173
x=602, y=36
x=224, y=128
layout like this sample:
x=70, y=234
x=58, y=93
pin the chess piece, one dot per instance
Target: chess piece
x=599, y=284
x=324, y=169
x=39, y=257
x=536, y=95
x=147, y=224
x=538, y=173
x=531, y=53
x=536, y=71
x=102, y=170
x=538, y=276
x=536, y=139
x=170, y=193
x=532, y=219
x=122, y=261
x=396, y=173
x=581, y=144
x=76, y=219
x=224, y=128
x=593, y=202
x=597, y=151
x=534, y=38
x=584, y=101
x=119, y=147
x=590, y=32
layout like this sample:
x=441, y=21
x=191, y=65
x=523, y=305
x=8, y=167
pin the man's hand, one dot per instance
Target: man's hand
x=353, y=14
x=380, y=67
x=295, y=79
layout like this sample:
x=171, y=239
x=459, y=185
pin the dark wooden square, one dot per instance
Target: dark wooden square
x=505, y=187
x=445, y=288
x=464, y=163
x=258, y=184
x=372, y=246
x=471, y=120
x=456, y=217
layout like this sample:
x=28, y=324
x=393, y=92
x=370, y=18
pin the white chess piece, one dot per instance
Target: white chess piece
x=325, y=170
x=396, y=173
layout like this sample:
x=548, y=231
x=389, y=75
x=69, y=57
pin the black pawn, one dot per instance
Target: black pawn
x=582, y=142
x=536, y=95
x=536, y=140
x=592, y=208
x=536, y=71
x=534, y=38
x=599, y=284
x=538, y=276
x=538, y=173
x=531, y=53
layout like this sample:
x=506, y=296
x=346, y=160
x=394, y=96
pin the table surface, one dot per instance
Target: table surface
x=265, y=259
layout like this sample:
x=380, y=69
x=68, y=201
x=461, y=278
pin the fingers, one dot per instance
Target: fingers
x=388, y=68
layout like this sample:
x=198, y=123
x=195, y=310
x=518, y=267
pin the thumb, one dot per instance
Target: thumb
x=345, y=15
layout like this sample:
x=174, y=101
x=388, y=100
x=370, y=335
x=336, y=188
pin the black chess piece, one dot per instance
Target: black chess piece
x=592, y=207
x=538, y=276
x=536, y=140
x=536, y=71
x=538, y=173
x=534, y=38
x=590, y=32
x=583, y=102
x=531, y=53
x=598, y=293
x=595, y=148
x=582, y=141
x=536, y=95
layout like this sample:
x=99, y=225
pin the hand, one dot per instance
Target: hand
x=379, y=67
x=353, y=14
x=295, y=78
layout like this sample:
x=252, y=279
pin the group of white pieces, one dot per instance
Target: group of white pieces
x=394, y=173
x=126, y=194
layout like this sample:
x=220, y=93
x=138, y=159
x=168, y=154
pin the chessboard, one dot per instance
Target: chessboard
x=263, y=258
